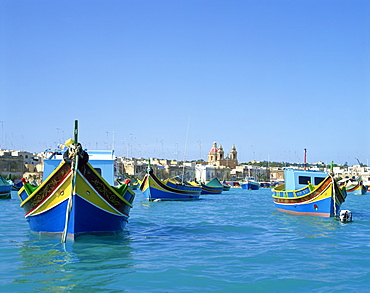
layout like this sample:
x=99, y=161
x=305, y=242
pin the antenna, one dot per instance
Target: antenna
x=200, y=148
x=2, y=134
x=113, y=141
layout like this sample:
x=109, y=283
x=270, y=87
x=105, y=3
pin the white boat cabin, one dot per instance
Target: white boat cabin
x=101, y=160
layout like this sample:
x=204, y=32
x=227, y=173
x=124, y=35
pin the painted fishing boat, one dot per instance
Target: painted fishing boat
x=77, y=196
x=250, y=183
x=213, y=186
x=226, y=186
x=15, y=186
x=355, y=187
x=134, y=184
x=139, y=182
x=170, y=189
x=310, y=193
x=5, y=188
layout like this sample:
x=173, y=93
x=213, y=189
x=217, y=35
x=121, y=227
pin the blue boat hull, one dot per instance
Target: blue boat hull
x=211, y=189
x=154, y=189
x=85, y=218
x=5, y=191
x=250, y=186
x=322, y=208
x=154, y=194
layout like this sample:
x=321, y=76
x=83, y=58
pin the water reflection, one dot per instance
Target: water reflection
x=305, y=226
x=90, y=264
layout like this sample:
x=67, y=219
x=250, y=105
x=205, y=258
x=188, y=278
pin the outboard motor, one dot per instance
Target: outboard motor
x=345, y=216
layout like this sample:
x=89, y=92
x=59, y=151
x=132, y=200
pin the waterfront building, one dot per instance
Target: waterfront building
x=17, y=162
x=204, y=173
x=276, y=174
x=162, y=168
x=20, y=164
x=244, y=171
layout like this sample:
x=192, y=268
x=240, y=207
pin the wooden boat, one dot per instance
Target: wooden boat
x=213, y=186
x=15, y=186
x=77, y=195
x=171, y=189
x=226, y=186
x=250, y=183
x=134, y=185
x=355, y=187
x=308, y=193
x=5, y=188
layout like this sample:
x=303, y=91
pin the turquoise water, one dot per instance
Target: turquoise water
x=232, y=242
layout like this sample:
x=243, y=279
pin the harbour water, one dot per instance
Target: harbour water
x=232, y=242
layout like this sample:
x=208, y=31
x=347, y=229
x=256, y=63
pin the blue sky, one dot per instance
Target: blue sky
x=168, y=78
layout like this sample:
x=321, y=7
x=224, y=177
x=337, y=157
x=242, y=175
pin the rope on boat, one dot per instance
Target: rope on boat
x=74, y=167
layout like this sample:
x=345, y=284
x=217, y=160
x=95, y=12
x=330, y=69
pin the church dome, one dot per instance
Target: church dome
x=214, y=149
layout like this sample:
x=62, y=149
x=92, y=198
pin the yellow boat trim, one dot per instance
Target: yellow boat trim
x=83, y=189
x=60, y=194
x=41, y=185
x=111, y=188
x=88, y=193
x=281, y=193
x=322, y=191
x=194, y=183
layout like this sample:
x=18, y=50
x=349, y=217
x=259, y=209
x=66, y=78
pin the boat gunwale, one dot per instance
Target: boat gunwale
x=317, y=191
x=168, y=188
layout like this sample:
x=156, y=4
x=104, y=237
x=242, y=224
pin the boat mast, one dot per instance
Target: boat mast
x=186, y=143
x=305, y=162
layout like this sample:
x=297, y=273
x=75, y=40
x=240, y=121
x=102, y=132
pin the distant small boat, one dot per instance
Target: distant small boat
x=250, y=183
x=15, y=186
x=5, y=188
x=134, y=185
x=171, y=189
x=355, y=187
x=308, y=193
x=76, y=196
x=213, y=186
x=226, y=185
